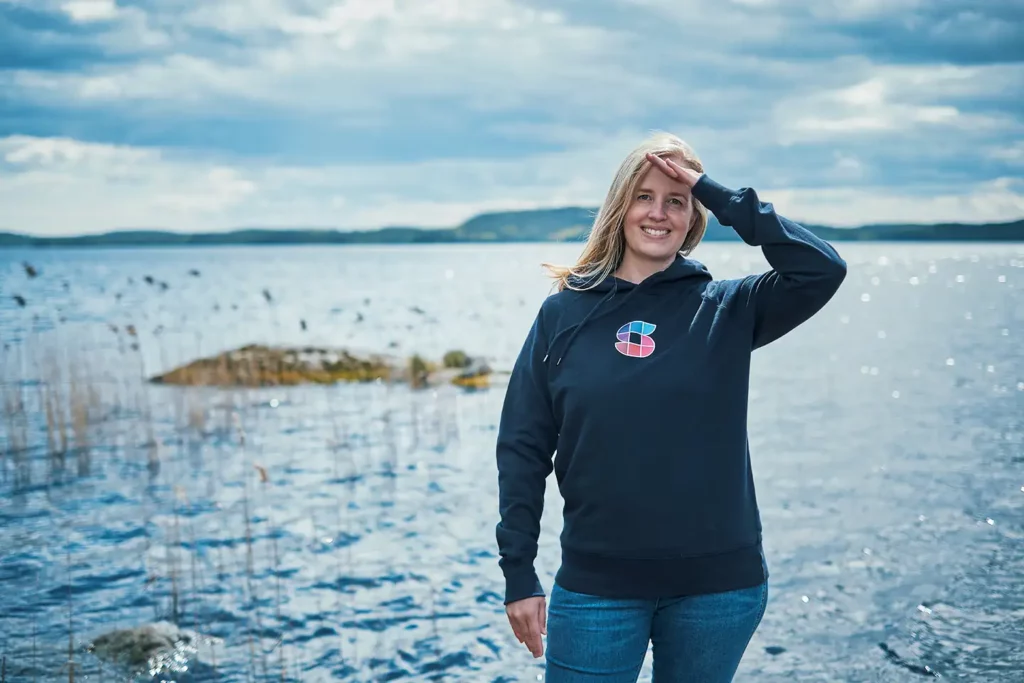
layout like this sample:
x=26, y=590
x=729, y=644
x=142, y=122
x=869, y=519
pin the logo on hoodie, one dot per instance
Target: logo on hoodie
x=635, y=339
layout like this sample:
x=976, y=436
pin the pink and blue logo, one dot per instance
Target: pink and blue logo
x=635, y=339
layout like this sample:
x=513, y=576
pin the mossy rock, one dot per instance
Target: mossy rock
x=456, y=359
x=260, y=366
x=257, y=365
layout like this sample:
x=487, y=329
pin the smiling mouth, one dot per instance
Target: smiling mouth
x=654, y=232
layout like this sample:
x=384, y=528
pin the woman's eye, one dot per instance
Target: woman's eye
x=675, y=201
x=644, y=197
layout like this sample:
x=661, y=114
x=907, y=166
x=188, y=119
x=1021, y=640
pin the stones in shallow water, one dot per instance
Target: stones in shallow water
x=258, y=365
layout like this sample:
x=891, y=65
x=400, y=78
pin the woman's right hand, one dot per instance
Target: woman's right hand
x=529, y=620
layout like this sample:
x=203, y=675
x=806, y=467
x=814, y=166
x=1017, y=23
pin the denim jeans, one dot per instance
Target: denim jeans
x=699, y=638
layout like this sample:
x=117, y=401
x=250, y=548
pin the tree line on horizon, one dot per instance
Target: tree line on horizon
x=540, y=225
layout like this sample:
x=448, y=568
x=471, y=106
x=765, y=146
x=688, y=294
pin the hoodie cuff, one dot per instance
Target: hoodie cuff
x=713, y=196
x=522, y=584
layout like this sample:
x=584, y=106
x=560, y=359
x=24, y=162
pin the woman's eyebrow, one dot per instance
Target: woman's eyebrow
x=670, y=194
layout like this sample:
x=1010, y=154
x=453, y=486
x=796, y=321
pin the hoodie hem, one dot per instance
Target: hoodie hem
x=614, y=577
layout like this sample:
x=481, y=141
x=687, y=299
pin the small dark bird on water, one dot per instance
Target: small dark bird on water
x=149, y=279
x=30, y=270
x=20, y=300
x=303, y=324
x=194, y=272
x=266, y=295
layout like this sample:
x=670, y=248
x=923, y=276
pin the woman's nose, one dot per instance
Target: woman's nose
x=656, y=212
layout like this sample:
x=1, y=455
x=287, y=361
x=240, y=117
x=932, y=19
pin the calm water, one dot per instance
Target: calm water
x=887, y=433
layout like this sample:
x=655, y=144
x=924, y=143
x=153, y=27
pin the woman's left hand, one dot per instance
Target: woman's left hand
x=685, y=175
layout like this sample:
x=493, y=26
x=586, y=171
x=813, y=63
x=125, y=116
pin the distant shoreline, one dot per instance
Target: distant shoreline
x=567, y=225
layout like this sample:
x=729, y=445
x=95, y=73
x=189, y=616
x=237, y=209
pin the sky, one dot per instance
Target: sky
x=210, y=115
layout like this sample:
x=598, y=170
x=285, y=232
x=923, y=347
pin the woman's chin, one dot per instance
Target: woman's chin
x=656, y=252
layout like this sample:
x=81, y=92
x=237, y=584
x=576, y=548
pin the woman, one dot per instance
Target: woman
x=636, y=373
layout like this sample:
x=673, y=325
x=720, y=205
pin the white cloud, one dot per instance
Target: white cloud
x=996, y=200
x=67, y=187
x=1012, y=152
x=90, y=10
x=29, y=154
x=359, y=57
x=894, y=100
x=213, y=191
x=103, y=187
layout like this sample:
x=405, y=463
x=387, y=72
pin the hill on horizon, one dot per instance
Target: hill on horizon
x=564, y=224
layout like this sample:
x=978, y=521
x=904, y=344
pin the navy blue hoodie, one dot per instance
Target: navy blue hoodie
x=636, y=397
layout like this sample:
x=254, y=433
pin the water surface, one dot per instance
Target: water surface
x=887, y=435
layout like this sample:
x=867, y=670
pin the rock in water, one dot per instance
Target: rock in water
x=153, y=647
x=256, y=365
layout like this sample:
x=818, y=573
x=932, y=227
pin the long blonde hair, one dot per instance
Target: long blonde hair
x=606, y=243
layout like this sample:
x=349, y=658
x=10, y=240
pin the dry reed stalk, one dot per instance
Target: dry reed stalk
x=192, y=559
x=35, y=646
x=79, y=398
x=337, y=447
x=14, y=414
x=172, y=560
x=71, y=624
x=56, y=425
x=248, y=544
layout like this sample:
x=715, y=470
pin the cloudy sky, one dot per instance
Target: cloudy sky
x=213, y=114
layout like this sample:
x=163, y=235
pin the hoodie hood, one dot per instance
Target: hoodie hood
x=682, y=272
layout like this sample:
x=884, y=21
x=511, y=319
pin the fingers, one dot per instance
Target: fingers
x=528, y=629
x=543, y=619
x=666, y=166
x=535, y=645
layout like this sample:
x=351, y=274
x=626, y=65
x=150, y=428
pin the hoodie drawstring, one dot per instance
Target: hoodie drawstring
x=607, y=297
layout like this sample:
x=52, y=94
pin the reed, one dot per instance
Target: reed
x=71, y=624
x=86, y=410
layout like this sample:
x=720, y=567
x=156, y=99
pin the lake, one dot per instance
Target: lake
x=346, y=532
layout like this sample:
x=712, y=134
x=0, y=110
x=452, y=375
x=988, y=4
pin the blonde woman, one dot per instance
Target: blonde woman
x=635, y=372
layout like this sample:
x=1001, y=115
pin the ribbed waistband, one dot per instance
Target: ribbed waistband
x=616, y=577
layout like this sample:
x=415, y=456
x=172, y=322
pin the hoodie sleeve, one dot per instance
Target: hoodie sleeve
x=527, y=435
x=805, y=270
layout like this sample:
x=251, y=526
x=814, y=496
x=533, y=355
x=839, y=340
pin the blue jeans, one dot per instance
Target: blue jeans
x=699, y=638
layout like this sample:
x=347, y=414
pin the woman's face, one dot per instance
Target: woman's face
x=658, y=218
